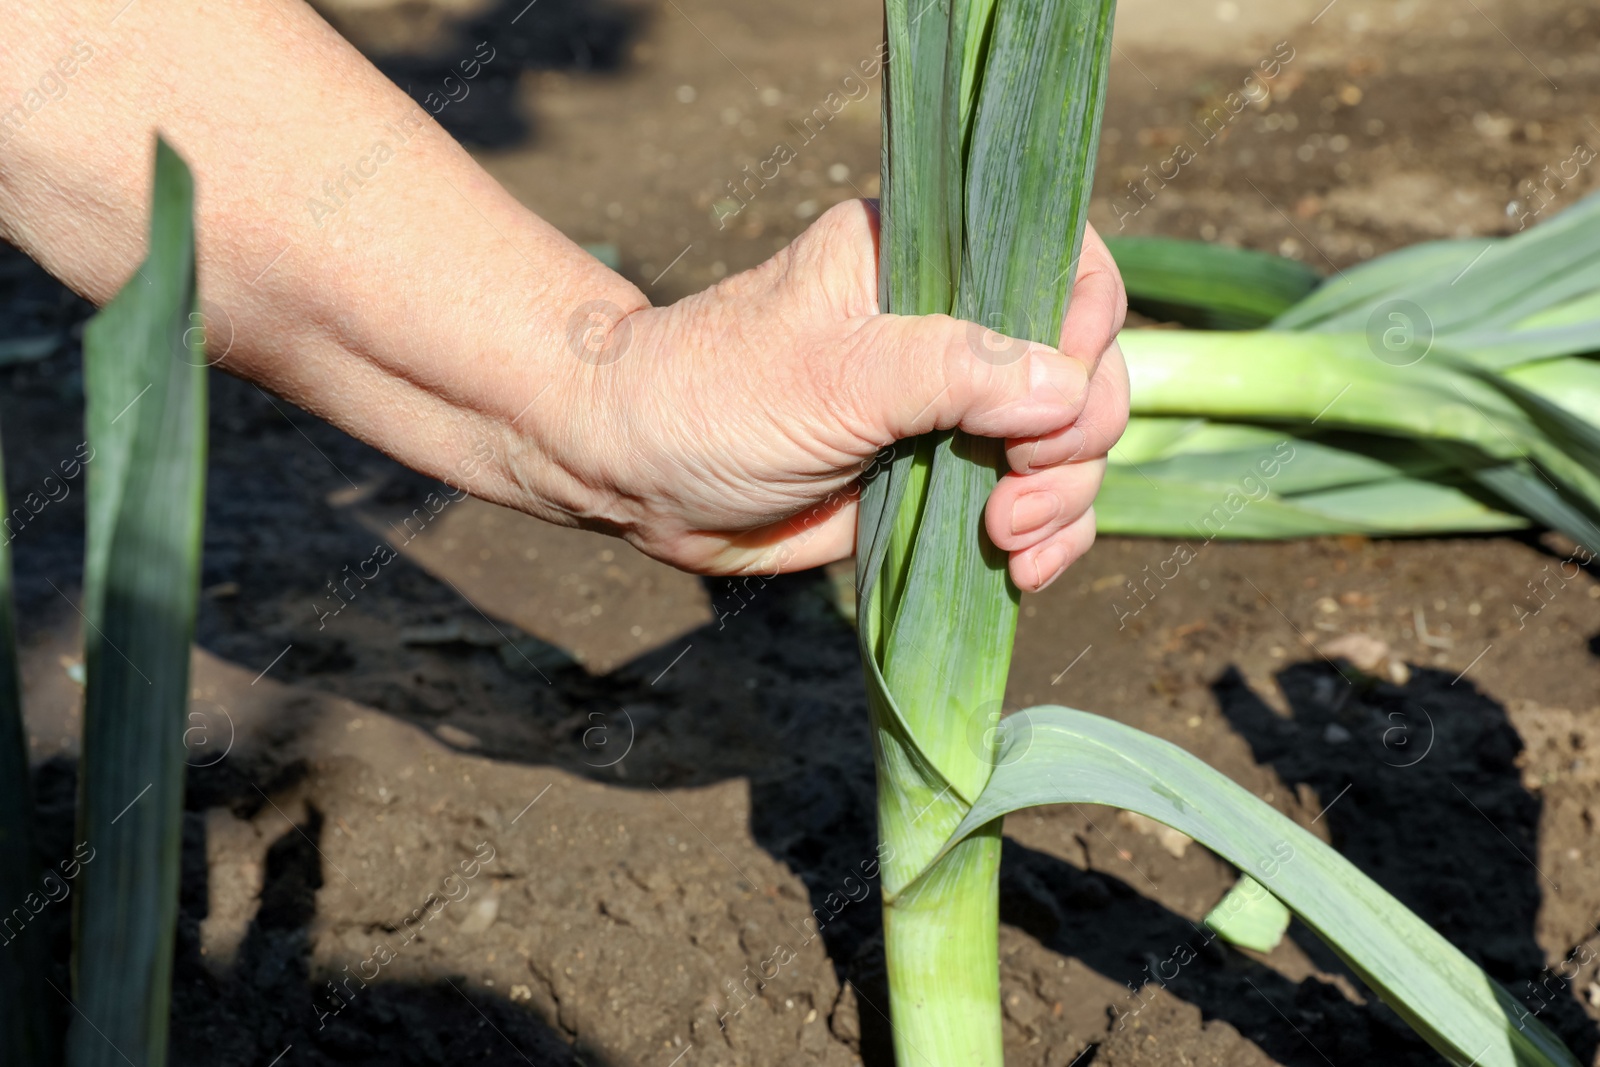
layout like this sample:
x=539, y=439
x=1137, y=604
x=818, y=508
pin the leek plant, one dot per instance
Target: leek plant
x=991, y=117
x=1447, y=387
x=144, y=374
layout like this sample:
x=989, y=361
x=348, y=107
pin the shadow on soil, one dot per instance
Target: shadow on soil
x=267, y=1001
x=1418, y=782
x=467, y=72
x=1396, y=772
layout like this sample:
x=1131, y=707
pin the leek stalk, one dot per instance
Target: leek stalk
x=991, y=113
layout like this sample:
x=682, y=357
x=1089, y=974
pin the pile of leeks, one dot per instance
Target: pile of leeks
x=1448, y=387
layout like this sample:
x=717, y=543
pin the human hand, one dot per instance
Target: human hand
x=724, y=434
x=731, y=417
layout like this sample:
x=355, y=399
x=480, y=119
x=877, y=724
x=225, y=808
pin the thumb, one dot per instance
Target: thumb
x=916, y=373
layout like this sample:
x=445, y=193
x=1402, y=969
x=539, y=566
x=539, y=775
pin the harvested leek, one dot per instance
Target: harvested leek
x=1448, y=387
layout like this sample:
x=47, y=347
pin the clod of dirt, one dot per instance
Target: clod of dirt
x=1176, y=842
x=1368, y=655
x=845, y=1019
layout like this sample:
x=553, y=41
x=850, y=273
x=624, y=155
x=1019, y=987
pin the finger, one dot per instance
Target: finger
x=907, y=375
x=1098, y=306
x=1026, y=509
x=1095, y=431
x=1042, y=564
x=836, y=259
x=822, y=534
x=833, y=539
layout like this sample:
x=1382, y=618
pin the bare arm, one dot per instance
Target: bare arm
x=415, y=306
x=354, y=259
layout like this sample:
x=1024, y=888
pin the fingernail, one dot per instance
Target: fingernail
x=1033, y=510
x=1050, y=564
x=1055, y=379
x=1072, y=443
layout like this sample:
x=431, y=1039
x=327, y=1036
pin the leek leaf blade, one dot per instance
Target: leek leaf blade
x=1206, y=285
x=145, y=380
x=1249, y=916
x=1056, y=755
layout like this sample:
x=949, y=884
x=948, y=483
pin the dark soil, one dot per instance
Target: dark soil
x=529, y=797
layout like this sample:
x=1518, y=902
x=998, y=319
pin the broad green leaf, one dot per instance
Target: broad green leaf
x=1355, y=292
x=918, y=249
x=1031, y=163
x=1164, y=507
x=1528, y=491
x=1400, y=507
x=1582, y=309
x=1252, y=458
x=144, y=371
x=1572, y=383
x=1506, y=279
x=1152, y=437
x=1055, y=755
x=1209, y=286
x=1573, y=432
x=1330, y=380
x=1497, y=348
x=1132, y=504
x=1333, y=381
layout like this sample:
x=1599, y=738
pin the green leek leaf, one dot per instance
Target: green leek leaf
x=1055, y=755
x=1249, y=916
x=991, y=114
x=1209, y=286
x=1355, y=292
x=145, y=379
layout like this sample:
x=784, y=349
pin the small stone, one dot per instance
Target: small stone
x=482, y=915
x=1365, y=652
x=455, y=736
x=1024, y=1009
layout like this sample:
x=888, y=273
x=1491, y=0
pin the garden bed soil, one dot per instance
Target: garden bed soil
x=528, y=797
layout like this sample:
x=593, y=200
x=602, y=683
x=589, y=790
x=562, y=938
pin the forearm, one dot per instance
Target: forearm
x=352, y=257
